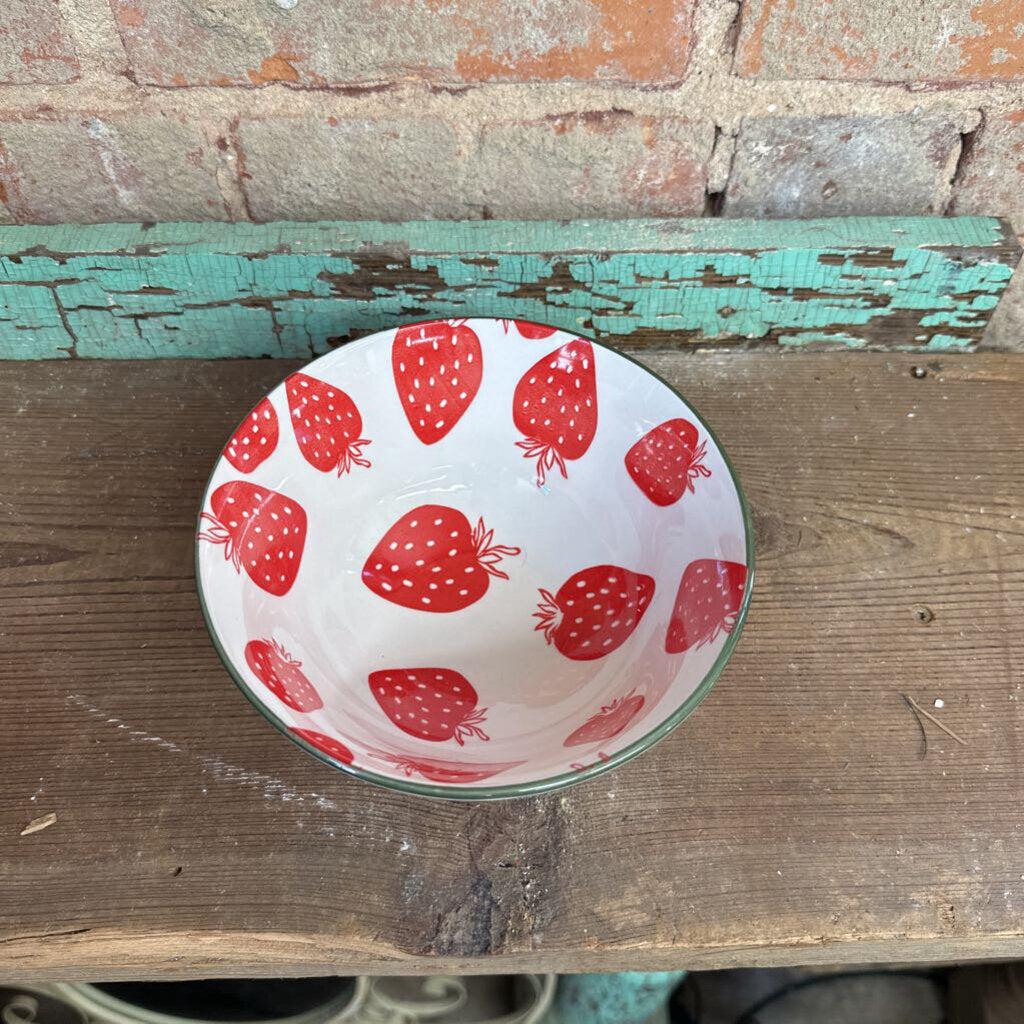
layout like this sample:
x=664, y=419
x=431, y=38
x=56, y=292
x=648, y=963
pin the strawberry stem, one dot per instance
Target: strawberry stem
x=284, y=655
x=697, y=467
x=406, y=764
x=490, y=555
x=546, y=456
x=618, y=702
x=352, y=456
x=550, y=615
x=470, y=727
x=218, y=533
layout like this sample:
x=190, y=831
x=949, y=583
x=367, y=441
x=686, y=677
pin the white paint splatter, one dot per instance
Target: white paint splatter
x=287, y=5
x=110, y=157
x=272, y=788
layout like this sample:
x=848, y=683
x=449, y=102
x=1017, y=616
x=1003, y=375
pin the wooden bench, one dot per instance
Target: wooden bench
x=799, y=816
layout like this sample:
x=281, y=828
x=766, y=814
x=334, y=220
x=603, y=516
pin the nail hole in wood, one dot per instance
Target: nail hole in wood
x=176, y=872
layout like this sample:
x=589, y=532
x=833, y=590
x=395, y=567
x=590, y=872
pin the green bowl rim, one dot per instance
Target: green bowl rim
x=554, y=782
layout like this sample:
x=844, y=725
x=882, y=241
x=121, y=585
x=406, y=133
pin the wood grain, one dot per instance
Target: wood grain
x=790, y=820
x=230, y=290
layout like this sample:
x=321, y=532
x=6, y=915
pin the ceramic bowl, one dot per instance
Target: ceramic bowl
x=478, y=558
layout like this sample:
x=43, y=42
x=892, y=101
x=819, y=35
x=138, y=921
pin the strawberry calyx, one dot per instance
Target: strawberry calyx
x=617, y=703
x=284, y=655
x=728, y=621
x=353, y=456
x=218, y=533
x=490, y=555
x=406, y=764
x=470, y=727
x=546, y=456
x=550, y=615
x=697, y=467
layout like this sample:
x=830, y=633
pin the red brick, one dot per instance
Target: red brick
x=992, y=180
x=33, y=47
x=254, y=42
x=96, y=168
x=882, y=40
x=327, y=168
x=597, y=164
x=841, y=166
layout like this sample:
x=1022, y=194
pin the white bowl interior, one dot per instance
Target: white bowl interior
x=531, y=698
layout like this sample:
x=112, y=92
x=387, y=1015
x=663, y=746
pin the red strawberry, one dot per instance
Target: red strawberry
x=429, y=703
x=555, y=406
x=666, y=460
x=608, y=722
x=707, y=603
x=261, y=529
x=432, y=561
x=528, y=329
x=594, y=611
x=327, y=424
x=255, y=440
x=438, y=366
x=448, y=771
x=282, y=675
x=328, y=744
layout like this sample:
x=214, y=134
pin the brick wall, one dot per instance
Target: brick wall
x=395, y=109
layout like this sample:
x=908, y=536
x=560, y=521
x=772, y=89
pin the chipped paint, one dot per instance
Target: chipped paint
x=432, y=41
x=933, y=43
x=279, y=67
x=642, y=43
x=208, y=290
x=995, y=51
x=947, y=343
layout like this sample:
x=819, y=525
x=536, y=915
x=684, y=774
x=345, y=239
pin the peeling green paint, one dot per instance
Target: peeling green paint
x=947, y=343
x=215, y=290
x=831, y=338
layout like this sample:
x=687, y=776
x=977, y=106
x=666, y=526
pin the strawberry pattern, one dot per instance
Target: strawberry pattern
x=438, y=367
x=326, y=744
x=327, y=424
x=529, y=330
x=707, y=603
x=665, y=462
x=453, y=772
x=434, y=558
x=255, y=440
x=262, y=530
x=433, y=561
x=607, y=723
x=282, y=674
x=435, y=704
x=595, y=611
x=555, y=406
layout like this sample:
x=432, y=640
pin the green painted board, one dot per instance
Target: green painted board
x=287, y=289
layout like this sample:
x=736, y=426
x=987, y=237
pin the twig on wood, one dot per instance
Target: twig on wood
x=920, y=725
x=38, y=824
x=931, y=718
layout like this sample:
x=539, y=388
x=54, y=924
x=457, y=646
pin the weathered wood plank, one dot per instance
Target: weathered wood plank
x=790, y=820
x=217, y=290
